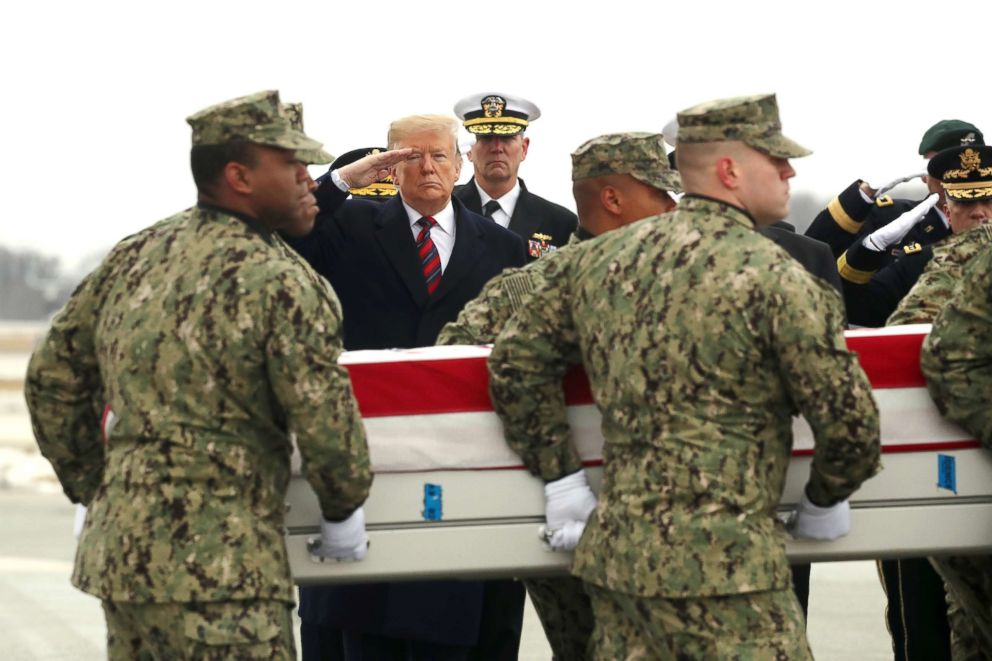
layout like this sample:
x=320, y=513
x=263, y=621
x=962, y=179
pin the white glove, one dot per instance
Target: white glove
x=77, y=524
x=343, y=540
x=895, y=182
x=811, y=521
x=893, y=233
x=565, y=538
x=568, y=503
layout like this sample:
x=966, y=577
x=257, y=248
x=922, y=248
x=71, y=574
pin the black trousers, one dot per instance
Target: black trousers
x=499, y=636
x=916, y=612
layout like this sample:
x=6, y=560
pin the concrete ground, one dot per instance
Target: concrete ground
x=43, y=617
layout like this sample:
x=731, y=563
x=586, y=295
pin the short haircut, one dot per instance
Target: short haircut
x=207, y=161
x=407, y=126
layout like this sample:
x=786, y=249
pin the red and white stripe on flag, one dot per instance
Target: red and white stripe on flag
x=429, y=408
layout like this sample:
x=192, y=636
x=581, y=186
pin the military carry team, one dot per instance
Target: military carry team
x=703, y=323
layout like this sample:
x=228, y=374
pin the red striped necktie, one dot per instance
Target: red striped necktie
x=430, y=261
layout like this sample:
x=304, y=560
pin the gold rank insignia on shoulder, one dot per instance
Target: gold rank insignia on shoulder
x=539, y=245
x=884, y=201
x=911, y=248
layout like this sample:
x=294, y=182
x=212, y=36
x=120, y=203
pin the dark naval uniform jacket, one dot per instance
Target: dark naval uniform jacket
x=543, y=225
x=368, y=253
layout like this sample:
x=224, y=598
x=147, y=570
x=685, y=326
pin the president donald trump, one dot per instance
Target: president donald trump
x=402, y=270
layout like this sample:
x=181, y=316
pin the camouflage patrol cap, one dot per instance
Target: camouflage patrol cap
x=950, y=133
x=294, y=112
x=257, y=118
x=751, y=119
x=641, y=155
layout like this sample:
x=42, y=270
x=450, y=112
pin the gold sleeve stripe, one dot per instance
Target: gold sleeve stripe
x=840, y=216
x=852, y=274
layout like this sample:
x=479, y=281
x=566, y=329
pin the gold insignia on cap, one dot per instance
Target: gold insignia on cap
x=912, y=248
x=492, y=106
x=971, y=161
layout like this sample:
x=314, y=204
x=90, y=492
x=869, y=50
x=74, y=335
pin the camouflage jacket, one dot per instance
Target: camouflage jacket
x=481, y=320
x=701, y=339
x=956, y=355
x=212, y=341
x=942, y=273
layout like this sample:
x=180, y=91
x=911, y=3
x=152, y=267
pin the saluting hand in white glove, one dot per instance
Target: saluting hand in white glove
x=893, y=233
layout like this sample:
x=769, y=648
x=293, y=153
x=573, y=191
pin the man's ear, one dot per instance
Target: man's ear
x=525, y=143
x=609, y=197
x=728, y=172
x=238, y=177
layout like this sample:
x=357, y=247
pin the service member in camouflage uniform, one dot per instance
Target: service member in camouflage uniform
x=700, y=339
x=618, y=179
x=916, y=613
x=955, y=360
x=212, y=340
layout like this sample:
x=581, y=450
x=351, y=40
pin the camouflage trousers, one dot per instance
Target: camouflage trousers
x=565, y=613
x=968, y=580
x=752, y=627
x=251, y=630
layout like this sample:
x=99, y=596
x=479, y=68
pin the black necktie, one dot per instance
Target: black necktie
x=490, y=208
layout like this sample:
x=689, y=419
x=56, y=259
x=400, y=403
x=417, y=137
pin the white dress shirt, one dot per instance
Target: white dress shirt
x=507, y=203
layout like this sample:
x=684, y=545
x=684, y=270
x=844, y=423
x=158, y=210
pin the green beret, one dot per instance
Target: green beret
x=950, y=133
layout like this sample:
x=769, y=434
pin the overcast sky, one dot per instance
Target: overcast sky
x=95, y=93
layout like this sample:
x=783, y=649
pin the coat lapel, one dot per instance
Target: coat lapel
x=396, y=240
x=468, y=249
x=525, y=219
x=469, y=194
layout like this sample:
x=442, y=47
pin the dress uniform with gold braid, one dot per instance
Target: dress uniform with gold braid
x=542, y=224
